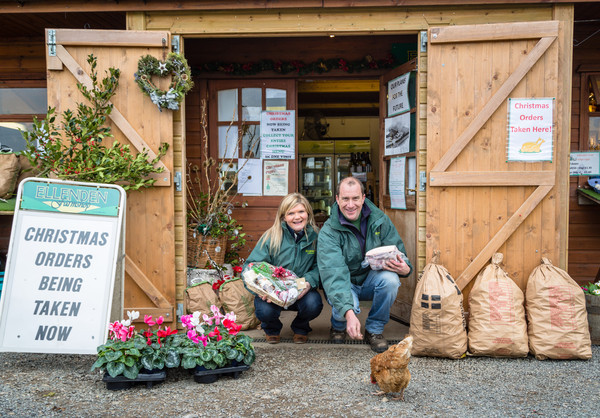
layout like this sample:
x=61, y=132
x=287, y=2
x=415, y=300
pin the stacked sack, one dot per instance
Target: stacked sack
x=436, y=321
x=550, y=321
x=557, y=316
x=497, y=325
x=228, y=293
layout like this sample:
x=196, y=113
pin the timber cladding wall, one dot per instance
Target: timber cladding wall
x=584, y=216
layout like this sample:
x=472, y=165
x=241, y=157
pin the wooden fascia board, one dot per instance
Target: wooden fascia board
x=162, y=179
x=58, y=6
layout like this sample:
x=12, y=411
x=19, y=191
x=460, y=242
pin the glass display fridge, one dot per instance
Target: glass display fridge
x=322, y=165
x=317, y=181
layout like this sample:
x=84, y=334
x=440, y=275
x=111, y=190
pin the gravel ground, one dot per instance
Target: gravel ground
x=309, y=380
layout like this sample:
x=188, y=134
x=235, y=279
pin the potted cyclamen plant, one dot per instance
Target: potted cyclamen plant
x=160, y=350
x=592, y=301
x=213, y=346
x=129, y=356
x=121, y=354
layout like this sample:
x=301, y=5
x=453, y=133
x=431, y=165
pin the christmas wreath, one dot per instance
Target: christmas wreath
x=181, y=82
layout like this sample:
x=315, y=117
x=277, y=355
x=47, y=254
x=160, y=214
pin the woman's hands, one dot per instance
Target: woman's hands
x=305, y=291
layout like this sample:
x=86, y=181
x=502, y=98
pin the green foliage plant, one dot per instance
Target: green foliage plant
x=122, y=352
x=76, y=150
x=213, y=341
x=592, y=288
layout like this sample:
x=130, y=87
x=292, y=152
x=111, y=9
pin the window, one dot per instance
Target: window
x=231, y=128
x=234, y=112
x=593, y=111
x=18, y=106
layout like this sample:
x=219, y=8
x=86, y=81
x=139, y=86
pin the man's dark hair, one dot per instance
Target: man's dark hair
x=350, y=181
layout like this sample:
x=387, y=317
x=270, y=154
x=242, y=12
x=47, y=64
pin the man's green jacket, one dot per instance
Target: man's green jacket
x=340, y=254
x=299, y=257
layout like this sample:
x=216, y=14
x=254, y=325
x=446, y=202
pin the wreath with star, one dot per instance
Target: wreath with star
x=181, y=79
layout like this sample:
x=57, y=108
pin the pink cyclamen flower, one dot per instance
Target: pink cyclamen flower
x=160, y=320
x=207, y=319
x=149, y=321
x=192, y=335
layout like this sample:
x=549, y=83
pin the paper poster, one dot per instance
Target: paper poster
x=397, y=134
x=530, y=129
x=278, y=134
x=276, y=178
x=398, y=95
x=397, y=183
x=250, y=177
x=585, y=164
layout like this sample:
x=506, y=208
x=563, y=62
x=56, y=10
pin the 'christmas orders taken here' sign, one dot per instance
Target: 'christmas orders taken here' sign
x=61, y=267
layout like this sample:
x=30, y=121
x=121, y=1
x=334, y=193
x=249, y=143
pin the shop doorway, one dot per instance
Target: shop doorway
x=341, y=107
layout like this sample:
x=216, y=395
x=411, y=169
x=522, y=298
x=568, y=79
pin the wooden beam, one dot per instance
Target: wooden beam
x=339, y=105
x=492, y=178
x=103, y=38
x=162, y=179
x=145, y=284
x=502, y=235
x=326, y=86
x=167, y=313
x=499, y=32
x=492, y=105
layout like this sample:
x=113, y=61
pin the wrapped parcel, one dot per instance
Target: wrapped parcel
x=377, y=257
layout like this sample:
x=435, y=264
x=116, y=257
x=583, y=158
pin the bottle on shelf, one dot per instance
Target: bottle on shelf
x=370, y=194
x=363, y=162
x=368, y=163
x=357, y=165
x=351, y=163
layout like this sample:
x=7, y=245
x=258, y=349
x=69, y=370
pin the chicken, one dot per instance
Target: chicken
x=390, y=368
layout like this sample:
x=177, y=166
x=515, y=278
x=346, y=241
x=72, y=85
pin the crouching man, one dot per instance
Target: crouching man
x=355, y=226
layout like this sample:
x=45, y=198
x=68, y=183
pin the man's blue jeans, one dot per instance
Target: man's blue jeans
x=308, y=308
x=380, y=286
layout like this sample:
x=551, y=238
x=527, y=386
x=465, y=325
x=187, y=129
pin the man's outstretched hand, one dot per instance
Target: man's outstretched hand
x=353, y=325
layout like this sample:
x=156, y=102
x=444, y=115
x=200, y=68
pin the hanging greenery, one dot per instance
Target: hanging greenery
x=298, y=67
x=181, y=82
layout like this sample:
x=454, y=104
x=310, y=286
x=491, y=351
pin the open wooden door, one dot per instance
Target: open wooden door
x=150, y=243
x=479, y=203
x=398, y=136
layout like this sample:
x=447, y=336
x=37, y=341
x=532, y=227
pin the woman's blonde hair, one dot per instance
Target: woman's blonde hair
x=275, y=232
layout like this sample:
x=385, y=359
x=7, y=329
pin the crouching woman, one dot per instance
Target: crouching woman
x=290, y=243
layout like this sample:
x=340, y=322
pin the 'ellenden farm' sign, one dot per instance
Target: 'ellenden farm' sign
x=61, y=266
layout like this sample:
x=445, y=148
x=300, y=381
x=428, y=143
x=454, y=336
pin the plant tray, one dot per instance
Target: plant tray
x=121, y=382
x=211, y=376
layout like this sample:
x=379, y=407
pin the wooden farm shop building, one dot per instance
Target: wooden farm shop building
x=460, y=118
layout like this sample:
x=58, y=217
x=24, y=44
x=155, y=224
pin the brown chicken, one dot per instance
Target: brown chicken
x=390, y=368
